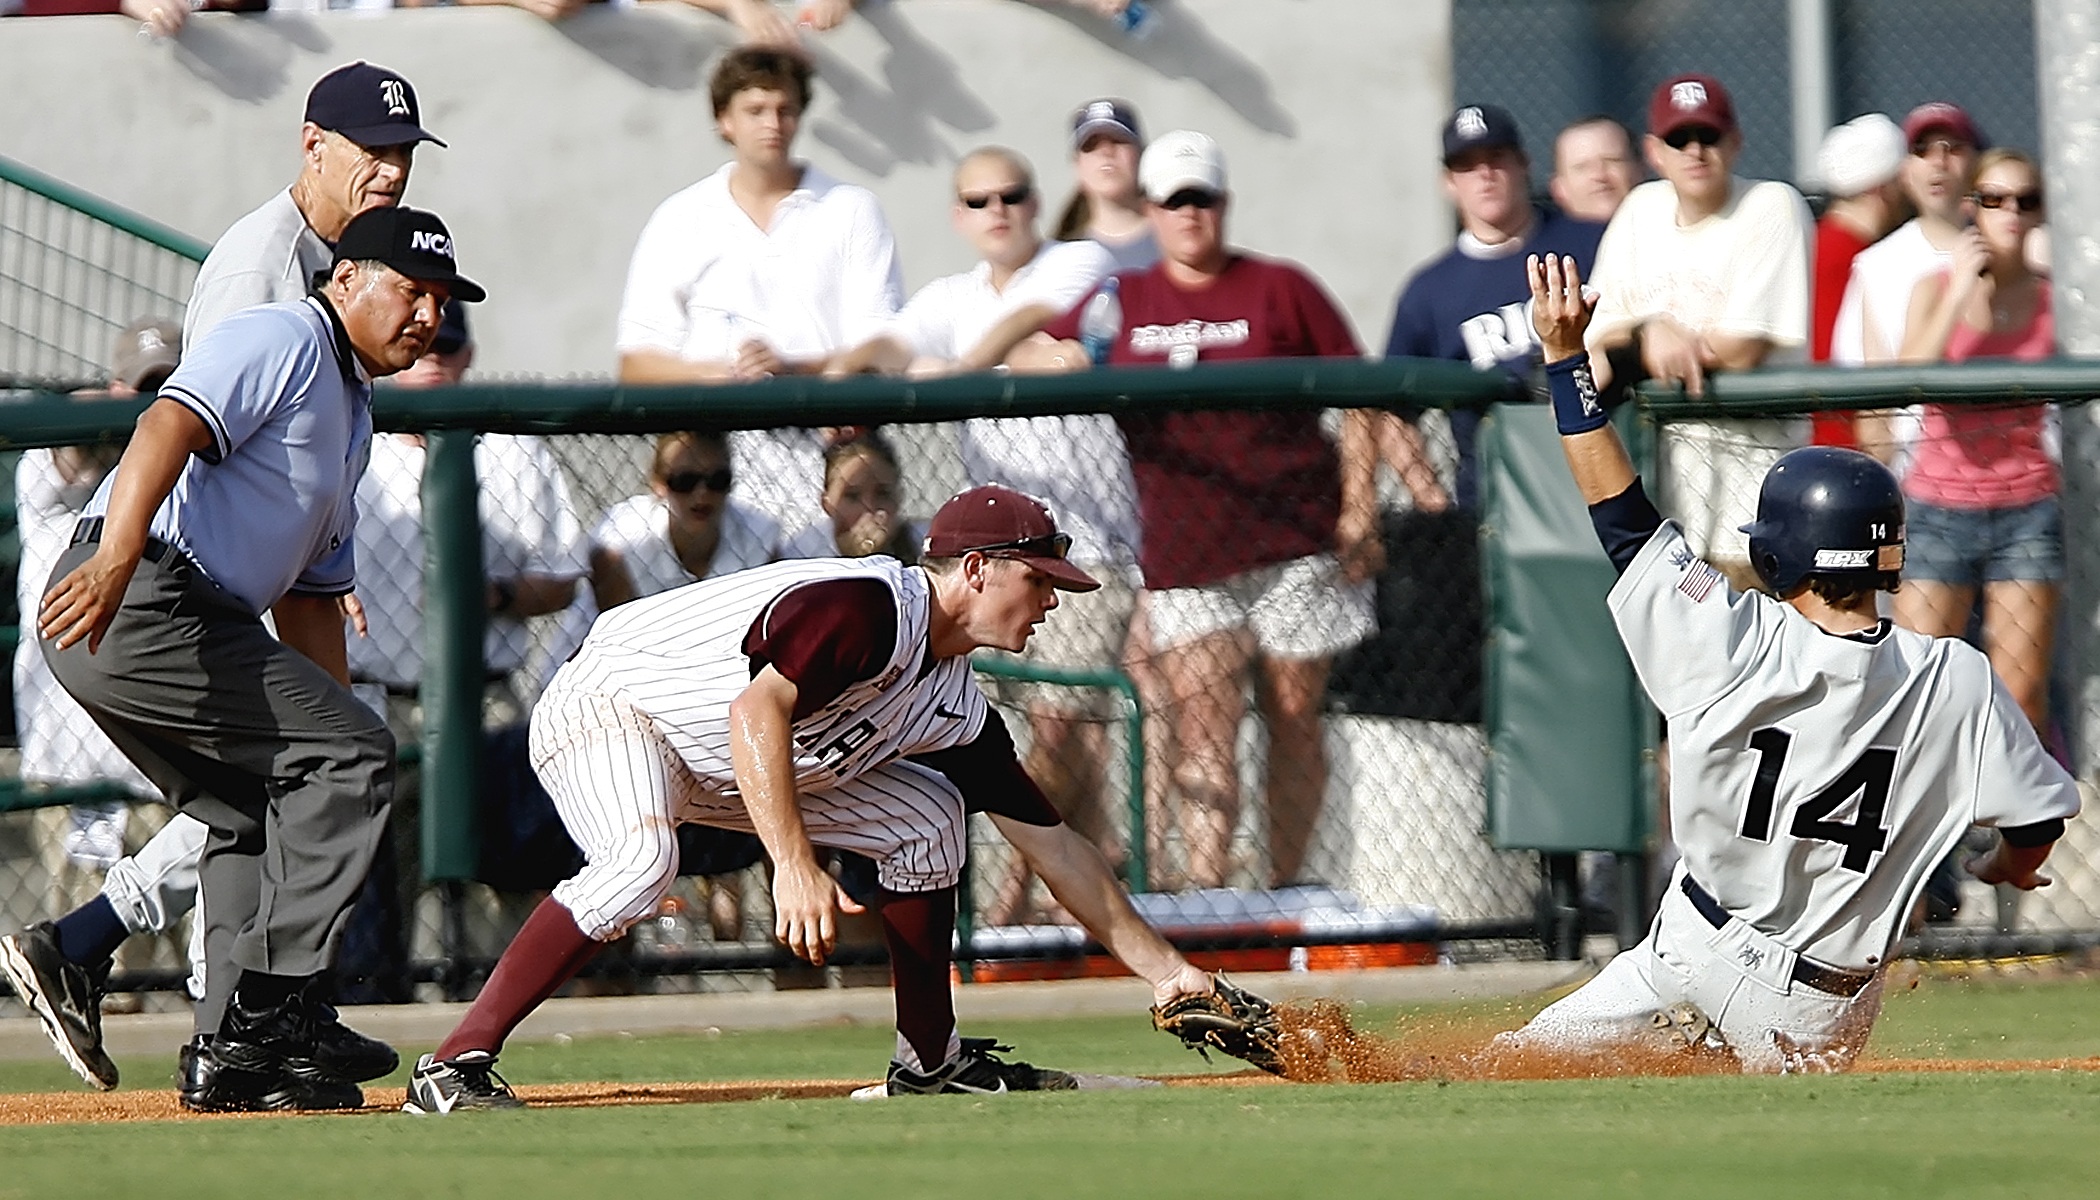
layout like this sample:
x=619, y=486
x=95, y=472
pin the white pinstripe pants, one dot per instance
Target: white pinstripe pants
x=621, y=791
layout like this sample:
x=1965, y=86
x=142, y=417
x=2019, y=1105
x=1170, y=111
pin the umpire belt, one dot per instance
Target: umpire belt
x=1832, y=980
x=89, y=531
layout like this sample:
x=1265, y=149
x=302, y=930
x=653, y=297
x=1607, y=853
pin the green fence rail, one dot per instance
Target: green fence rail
x=38, y=418
x=96, y=208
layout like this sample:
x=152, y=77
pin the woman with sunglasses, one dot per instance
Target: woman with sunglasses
x=863, y=489
x=1981, y=491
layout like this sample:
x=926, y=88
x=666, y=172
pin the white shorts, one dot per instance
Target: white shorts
x=1297, y=609
x=621, y=792
x=1740, y=978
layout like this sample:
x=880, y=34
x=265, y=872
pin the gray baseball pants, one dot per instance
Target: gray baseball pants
x=292, y=775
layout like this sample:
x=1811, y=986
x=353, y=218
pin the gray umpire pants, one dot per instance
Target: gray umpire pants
x=291, y=773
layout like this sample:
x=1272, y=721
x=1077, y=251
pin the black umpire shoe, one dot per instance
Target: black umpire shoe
x=194, y=1067
x=64, y=996
x=345, y=1052
x=264, y=1060
x=977, y=1070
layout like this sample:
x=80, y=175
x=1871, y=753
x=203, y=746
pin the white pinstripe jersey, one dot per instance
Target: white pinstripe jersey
x=678, y=657
x=1815, y=780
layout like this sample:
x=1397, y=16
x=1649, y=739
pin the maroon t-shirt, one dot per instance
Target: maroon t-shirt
x=826, y=636
x=1223, y=492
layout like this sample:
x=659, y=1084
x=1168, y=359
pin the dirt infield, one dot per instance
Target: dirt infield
x=1320, y=1045
x=1394, y=1060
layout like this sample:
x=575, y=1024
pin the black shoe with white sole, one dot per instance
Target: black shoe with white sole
x=64, y=996
x=463, y=1084
x=977, y=1070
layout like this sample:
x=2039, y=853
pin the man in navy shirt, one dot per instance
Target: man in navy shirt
x=235, y=497
x=1469, y=304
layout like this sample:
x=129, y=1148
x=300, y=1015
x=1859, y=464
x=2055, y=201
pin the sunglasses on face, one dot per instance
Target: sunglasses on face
x=1192, y=198
x=1050, y=545
x=683, y=482
x=2027, y=202
x=1702, y=135
x=1925, y=147
x=1014, y=197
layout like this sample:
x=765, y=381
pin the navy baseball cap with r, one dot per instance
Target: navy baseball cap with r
x=1000, y=522
x=1480, y=127
x=370, y=105
x=1113, y=117
x=412, y=242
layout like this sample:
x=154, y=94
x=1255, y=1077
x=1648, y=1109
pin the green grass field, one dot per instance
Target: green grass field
x=1972, y=1135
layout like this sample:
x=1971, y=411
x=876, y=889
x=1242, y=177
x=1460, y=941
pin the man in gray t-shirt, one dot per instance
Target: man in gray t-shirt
x=356, y=147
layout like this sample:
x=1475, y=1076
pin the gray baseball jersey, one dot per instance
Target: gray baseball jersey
x=1816, y=779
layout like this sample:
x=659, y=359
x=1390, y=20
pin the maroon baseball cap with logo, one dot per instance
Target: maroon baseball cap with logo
x=1690, y=99
x=1948, y=118
x=1003, y=523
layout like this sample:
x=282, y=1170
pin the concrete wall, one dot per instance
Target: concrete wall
x=565, y=137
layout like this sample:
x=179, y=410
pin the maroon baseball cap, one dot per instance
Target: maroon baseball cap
x=1003, y=523
x=1690, y=99
x=1941, y=115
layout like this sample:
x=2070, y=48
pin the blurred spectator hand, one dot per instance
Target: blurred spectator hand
x=821, y=15
x=158, y=18
x=547, y=10
x=756, y=360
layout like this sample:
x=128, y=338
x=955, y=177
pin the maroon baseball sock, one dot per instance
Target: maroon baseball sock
x=919, y=927
x=546, y=952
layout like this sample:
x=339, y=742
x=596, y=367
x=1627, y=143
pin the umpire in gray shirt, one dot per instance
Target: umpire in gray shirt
x=236, y=497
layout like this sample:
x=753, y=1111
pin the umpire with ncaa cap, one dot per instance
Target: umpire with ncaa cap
x=235, y=497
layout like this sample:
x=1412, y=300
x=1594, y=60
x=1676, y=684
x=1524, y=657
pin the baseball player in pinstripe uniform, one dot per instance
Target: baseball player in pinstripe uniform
x=1822, y=760
x=817, y=702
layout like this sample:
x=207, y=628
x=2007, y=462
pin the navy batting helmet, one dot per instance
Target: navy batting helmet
x=1830, y=513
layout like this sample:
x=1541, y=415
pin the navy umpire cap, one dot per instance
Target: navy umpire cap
x=370, y=105
x=412, y=242
x=1480, y=127
x=1830, y=513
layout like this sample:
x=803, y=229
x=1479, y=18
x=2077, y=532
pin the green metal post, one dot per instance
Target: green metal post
x=454, y=611
x=1135, y=869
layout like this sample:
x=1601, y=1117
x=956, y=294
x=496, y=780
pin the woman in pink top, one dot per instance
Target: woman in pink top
x=1982, y=510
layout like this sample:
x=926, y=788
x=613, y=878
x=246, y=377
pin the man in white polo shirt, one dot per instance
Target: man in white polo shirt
x=1943, y=144
x=235, y=497
x=969, y=322
x=766, y=267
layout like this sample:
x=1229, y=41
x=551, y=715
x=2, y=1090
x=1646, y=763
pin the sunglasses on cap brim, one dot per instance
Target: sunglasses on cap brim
x=1049, y=545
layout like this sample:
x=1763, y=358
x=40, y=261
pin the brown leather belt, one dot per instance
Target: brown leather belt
x=1832, y=980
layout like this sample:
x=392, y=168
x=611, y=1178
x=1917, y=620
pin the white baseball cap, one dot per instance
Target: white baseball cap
x=1180, y=160
x=1862, y=154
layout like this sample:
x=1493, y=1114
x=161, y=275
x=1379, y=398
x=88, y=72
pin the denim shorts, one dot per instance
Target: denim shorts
x=1973, y=546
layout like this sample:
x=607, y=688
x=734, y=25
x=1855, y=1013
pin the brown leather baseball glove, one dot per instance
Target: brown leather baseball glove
x=1229, y=1019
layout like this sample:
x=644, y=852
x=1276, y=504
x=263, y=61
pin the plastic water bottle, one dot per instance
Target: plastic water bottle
x=1102, y=322
x=1138, y=20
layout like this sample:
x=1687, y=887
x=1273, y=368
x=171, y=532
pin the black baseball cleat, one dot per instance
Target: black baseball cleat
x=263, y=1060
x=345, y=1052
x=64, y=996
x=463, y=1084
x=976, y=1070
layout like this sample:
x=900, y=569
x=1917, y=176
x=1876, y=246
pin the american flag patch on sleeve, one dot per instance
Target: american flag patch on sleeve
x=1699, y=580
